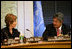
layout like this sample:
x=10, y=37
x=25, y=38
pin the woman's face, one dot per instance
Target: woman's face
x=13, y=25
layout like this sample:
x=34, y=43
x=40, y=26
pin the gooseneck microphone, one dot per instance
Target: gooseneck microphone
x=29, y=31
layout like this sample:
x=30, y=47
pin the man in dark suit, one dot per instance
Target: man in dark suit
x=57, y=28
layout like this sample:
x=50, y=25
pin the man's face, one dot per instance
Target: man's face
x=56, y=23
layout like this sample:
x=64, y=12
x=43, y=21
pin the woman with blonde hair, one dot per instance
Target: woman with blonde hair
x=9, y=31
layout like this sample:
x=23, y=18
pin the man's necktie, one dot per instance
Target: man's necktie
x=57, y=31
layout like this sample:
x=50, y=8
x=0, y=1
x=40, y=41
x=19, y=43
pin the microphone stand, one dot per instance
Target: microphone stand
x=29, y=31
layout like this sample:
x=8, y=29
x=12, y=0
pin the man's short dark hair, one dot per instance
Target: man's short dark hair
x=59, y=15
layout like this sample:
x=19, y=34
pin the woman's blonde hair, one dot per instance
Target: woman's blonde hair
x=9, y=19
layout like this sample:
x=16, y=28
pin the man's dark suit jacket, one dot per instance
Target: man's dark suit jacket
x=51, y=31
x=5, y=34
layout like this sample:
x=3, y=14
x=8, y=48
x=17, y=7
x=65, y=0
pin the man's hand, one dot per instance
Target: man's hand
x=60, y=35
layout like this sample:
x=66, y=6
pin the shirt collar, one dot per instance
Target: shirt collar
x=59, y=27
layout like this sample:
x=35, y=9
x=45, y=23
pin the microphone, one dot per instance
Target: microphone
x=29, y=31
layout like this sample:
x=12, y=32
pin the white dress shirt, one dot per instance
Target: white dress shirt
x=59, y=29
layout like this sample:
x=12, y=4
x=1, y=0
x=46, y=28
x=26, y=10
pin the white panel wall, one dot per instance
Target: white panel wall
x=25, y=18
x=21, y=18
x=28, y=18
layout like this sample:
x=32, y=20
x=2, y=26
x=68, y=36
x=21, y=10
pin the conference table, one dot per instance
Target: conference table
x=41, y=44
